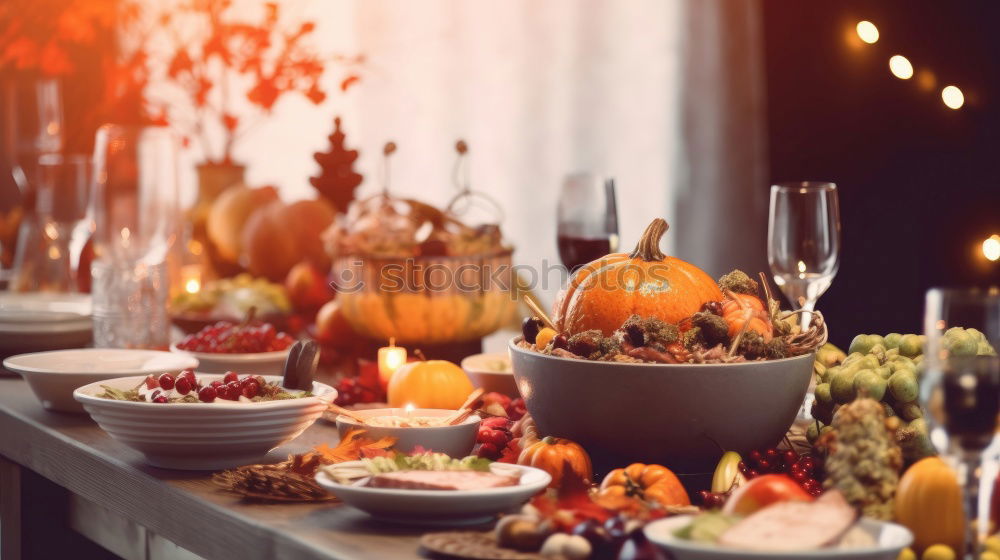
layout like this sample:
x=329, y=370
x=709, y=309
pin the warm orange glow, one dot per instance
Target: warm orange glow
x=390, y=359
x=867, y=32
x=991, y=248
x=191, y=276
x=901, y=67
x=952, y=97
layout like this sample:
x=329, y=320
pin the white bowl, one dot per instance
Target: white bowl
x=454, y=441
x=252, y=363
x=440, y=507
x=482, y=370
x=203, y=436
x=37, y=321
x=53, y=376
x=890, y=538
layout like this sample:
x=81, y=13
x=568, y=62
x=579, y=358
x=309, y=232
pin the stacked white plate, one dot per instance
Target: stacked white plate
x=36, y=321
x=203, y=436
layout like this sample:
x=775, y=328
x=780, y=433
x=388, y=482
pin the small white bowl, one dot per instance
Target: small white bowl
x=54, y=375
x=492, y=372
x=890, y=538
x=203, y=436
x=440, y=507
x=252, y=363
x=455, y=441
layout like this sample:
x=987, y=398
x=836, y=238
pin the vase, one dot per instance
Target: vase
x=213, y=178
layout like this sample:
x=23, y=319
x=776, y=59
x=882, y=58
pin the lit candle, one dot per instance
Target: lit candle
x=390, y=358
x=191, y=278
x=409, y=408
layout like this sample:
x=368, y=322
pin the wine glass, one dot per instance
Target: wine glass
x=587, y=214
x=50, y=243
x=134, y=208
x=803, y=241
x=961, y=384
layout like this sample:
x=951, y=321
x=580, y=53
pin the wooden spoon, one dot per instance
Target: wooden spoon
x=465, y=410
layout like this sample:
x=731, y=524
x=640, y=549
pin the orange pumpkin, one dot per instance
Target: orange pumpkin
x=741, y=308
x=429, y=384
x=929, y=503
x=650, y=482
x=604, y=293
x=554, y=455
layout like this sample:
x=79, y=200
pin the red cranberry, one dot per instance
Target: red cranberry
x=755, y=456
x=250, y=389
x=230, y=377
x=161, y=399
x=233, y=390
x=771, y=454
x=151, y=382
x=764, y=465
x=167, y=381
x=207, y=394
x=216, y=384
x=183, y=385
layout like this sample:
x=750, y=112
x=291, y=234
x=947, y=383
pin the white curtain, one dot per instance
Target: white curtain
x=664, y=95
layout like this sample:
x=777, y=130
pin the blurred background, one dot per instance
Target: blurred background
x=695, y=109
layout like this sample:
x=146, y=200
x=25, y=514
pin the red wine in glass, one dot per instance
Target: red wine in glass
x=971, y=388
x=576, y=251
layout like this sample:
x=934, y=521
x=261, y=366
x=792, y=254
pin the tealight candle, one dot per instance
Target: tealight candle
x=191, y=276
x=390, y=359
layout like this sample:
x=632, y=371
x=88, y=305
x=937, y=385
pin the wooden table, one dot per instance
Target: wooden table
x=62, y=475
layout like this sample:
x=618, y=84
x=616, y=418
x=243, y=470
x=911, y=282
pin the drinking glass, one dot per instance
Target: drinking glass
x=51, y=240
x=134, y=208
x=587, y=219
x=961, y=384
x=803, y=241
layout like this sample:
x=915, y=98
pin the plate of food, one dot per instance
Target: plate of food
x=229, y=299
x=247, y=347
x=827, y=527
x=428, y=428
x=200, y=421
x=432, y=488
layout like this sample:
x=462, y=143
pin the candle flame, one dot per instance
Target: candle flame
x=192, y=286
x=409, y=408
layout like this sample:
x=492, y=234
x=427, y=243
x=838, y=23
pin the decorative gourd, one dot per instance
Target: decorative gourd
x=554, y=455
x=740, y=308
x=604, y=293
x=654, y=483
x=429, y=384
x=929, y=503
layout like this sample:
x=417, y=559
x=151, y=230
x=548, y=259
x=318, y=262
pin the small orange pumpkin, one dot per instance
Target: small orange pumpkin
x=554, y=455
x=429, y=384
x=929, y=503
x=740, y=308
x=650, y=482
x=604, y=293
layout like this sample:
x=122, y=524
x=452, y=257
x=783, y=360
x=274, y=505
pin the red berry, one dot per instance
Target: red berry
x=183, y=385
x=755, y=456
x=764, y=465
x=753, y=474
x=166, y=381
x=791, y=456
x=216, y=384
x=151, y=382
x=233, y=390
x=495, y=422
x=800, y=476
x=771, y=454
x=230, y=377
x=207, y=394
x=250, y=389
x=807, y=464
x=160, y=399
x=489, y=451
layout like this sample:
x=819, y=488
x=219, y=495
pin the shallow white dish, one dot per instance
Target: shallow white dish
x=440, y=507
x=890, y=538
x=36, y=321
x=455, y=441
x=203, y=436
x=54, y=375
x=256, y=363
x=483, y=371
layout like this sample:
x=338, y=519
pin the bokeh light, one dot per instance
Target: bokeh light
x=867, y=32
x=952, y=97
x=991, y=248
x=901, y=67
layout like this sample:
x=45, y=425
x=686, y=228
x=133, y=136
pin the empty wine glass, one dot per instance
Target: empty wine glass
x=803, y=241
x=961, y=385
x=587, y=215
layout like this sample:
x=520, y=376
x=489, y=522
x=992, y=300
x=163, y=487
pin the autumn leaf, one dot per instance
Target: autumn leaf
x=348, y=82
x=230, y=121
x=353, y=446
x=571, y=503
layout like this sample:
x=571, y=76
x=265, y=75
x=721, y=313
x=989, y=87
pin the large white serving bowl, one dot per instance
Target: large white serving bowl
x=440, y=507
x=890, y=539
x=252, y=363
x=203, y=436
x=54, y=375
x=492, y=372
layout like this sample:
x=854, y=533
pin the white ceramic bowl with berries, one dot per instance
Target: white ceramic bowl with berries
x=455, y=441
x=54, y=375
x=225, y=432
x=225, y=346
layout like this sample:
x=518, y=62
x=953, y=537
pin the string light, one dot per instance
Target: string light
x=952, y=97
x=991, y=248
x=900, y=67
x=867, y=32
